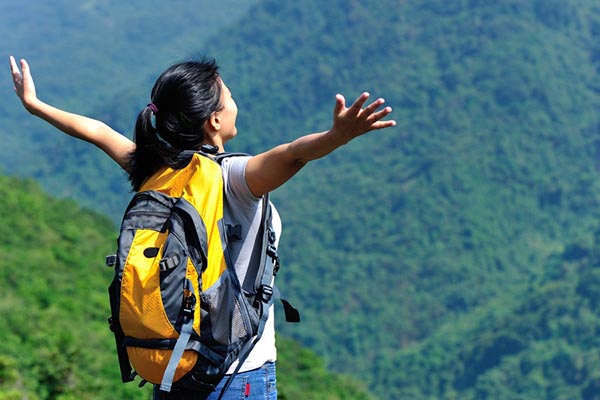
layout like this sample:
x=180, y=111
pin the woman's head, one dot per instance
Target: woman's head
x=183, y=98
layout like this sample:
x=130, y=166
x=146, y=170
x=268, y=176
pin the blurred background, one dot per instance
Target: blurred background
x=454, y=256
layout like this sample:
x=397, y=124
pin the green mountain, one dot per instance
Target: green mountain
x=489, y=184
x=55, y=342
x=54, y=338
x=97, y=58
x=453, y=256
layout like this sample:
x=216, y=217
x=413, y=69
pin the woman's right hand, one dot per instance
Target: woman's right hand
x=24, y=86
x=115, y=145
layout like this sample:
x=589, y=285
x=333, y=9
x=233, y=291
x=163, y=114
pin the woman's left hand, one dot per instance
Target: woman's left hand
x=351, y=122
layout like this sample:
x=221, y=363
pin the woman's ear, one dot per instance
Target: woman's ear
x=213, y=123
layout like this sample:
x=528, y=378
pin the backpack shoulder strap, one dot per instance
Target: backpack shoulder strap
x=269, y=261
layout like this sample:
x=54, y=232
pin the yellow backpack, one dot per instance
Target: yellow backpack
x=178, y=312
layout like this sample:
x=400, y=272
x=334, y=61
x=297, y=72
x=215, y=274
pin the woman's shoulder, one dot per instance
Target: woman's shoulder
x=234, y=179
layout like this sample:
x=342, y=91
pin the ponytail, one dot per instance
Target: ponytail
x=151, y=153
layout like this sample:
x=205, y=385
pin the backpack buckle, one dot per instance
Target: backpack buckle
x=234, y=232
x=111, y=260
x=272, y=236
x=272, y=251
x=265, y=293
x=189, y=301
x=168, y=262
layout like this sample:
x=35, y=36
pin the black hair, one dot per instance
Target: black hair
x=183, y=98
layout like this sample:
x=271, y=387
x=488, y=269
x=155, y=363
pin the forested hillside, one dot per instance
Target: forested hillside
x=455, y=256
x=429, y=254
x=55, y=342
x=54, y=338
x=97, y=58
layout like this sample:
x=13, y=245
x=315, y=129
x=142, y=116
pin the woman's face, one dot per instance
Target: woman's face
x=227, y=115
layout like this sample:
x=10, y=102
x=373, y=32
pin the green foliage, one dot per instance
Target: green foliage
x=543, y=345
x=55, y=343
x=490, y=178
x=452, y=257
x=303, y=375
x=54, y=339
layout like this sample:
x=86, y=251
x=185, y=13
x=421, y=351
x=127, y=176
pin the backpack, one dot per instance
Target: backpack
x=178, y=312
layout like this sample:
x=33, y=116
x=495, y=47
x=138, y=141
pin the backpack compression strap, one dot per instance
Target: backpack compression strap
x=184, y=337
x=188, y=219
x=267, y=289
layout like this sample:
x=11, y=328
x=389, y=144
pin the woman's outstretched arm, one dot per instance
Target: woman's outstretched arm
x=117, y=146
x=271, y=169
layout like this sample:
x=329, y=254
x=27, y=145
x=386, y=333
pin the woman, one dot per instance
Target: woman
x=190, y=107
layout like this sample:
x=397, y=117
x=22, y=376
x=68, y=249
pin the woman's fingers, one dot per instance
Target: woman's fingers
x=340, y=104
x=16, y=74
x=359, y=102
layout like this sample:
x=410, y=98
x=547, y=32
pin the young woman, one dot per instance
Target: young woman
x=191, y=106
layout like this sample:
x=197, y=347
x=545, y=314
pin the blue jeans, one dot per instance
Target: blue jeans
x=258, y=384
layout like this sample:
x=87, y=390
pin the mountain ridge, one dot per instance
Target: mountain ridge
x=486, y=191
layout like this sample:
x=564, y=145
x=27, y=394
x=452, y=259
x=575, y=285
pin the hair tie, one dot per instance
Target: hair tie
x=153, y=107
